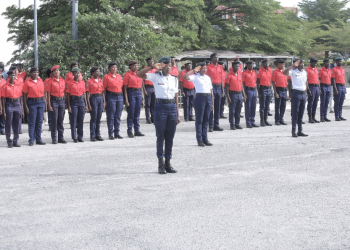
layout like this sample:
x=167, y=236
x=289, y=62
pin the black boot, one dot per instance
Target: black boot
x=311, y=120
x=262, y=122
x=300, y=133
x=161, y=166
x=168, y=167
x=314, y=118
x=294, y=134
x=266, y=122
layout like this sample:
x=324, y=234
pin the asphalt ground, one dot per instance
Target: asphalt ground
x=254, y=189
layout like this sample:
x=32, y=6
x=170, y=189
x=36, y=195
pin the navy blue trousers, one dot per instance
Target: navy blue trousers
x=264, y=100
x=77, y=118
x=250, y=106
x=215, y=115
x=2, y=123
x=339, y=100
x=96, y=103
x=35, y=120
x=202, y=107
x=298, y=108
x=114, y=111
x=324, y=97
x=150, y=100
x=235, y=108
x=222, y=105
x=49, y=118
x=13, y=118
x=135, y=101
x=57, y=117
x=312, y=100
x=165, y=120
x=187, y=102
x=280, y=104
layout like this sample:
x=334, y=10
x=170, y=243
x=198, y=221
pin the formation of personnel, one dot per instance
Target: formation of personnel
x=203, y=88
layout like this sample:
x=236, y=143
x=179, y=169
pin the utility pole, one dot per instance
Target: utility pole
x=36, y=64
x=19, y=45
x=74, y=24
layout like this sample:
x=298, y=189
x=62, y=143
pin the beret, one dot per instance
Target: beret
x=280, y=61
x=93, y=69
x=249, y=62
x=201, y=64
x=132, y=62
x=13, y=65
x=48, y=72
x=13, y=68
x=149, y=58
x=313, y=59
x=236, y=58
x=187, y=63
x=32, y=69
x=221, y=62
x=111, y=64
x=264, y=60
x=214, y=54
x=10, y=72
x=165, y=60
x=338, y=59
x=326, y=60
x=76, y=69
x=235, y=62
x=296, y=59
x=55, y=67
x=73, y=64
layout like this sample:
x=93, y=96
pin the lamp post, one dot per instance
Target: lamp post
x=36, y=64
x=19, y=45
x=74, y=24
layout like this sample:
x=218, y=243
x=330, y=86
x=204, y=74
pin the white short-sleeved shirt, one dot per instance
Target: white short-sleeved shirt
x=202, y=84
x=299, y=79
x=165, y=87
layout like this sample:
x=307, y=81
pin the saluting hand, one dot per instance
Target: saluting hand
x=296, y=64
x=158, y=66
x=197, y=69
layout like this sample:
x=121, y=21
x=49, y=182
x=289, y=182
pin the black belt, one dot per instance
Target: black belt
x=57, y=98
x=280, y=88
x=204, y=94
x=135, y=89
x=77, y=97
x=98, y=94
x=313, y=84
x=188, y=89
x=149, y=86
x=12, y=99
x=166, y=101
x=116, y=93
x=325, y=85
x=217, y=85
x=264, y=87
x=340, y=84
x=36, y=99
x=250, y=88
x=298, y=91
x=235, y=92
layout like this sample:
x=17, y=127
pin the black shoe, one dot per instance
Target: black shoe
x=238, y=127
x=16, y=145
x=168, y=167
x=208, y=143
x=302, y=122
x=241, y=116
x=211, y=129
x=20, y=132
x=322, y=119
x=31, y=144
x=192, y=119
x=161, y=166
x=269, y=114
x=138, y=133
x=342, y=118
x=223, y=117
x=75, y=140
x=111, y=138
x=283, y=123
x=218, y=128
x=117, y=136
x=267, y=123
x=232, y=127
x=300, y=133
x=254, y=125
x=49, y=129
x=99, y=138
x=201, y=144
x=131, y=135
x=9, y=145
x=92, y=139
x=337, y=119
x=148, y=121
x=2, y=133
x=40, y=143
x=262, y=122
x=313, y=118
x=327, y=120
x=294, y=134
x=80, y=140
x=63, y=141
x=277, y=123
x=54, y=142
x=186, y=120
x=249, y=126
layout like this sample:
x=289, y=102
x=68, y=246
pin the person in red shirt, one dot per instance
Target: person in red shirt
x=325, y=76
x=249, y=85
x=279, y=83
x=35, y=105
x=12, y=108
x=20, y=82
x=188, y=92
x=95, y=101
x=214, y=71
x=76, y=105
x=235, y=93
x=264, y=90
x=150, y=97
x=46, y=83
x=56, y=92
x=314, y=90
x=236, y=59
x=338, y=81
x=133, y=98
x=2, y=120
x=174, y=70
x=223, y=97
x=21, y=74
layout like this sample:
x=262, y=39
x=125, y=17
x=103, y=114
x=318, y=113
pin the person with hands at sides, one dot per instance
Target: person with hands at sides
x=188, y=92
x=223, y=97
x=174, y=70
x=95, y=98
x=325, y=76
x=12, y=108
x=2, y=120
x=166, y=110
x=132, y=87
x=235, y=95
x=299, y=88
x=46, y=85
x=21, y=74
x=56, y=104
x=338, y=81
x=264, y=90
x=35, y=105
x=76, y=105
x=148, y=90
x=314, y=89
x=203, y=102
x=113, y=85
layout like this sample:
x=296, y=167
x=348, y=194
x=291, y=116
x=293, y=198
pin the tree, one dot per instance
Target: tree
x=341, y=38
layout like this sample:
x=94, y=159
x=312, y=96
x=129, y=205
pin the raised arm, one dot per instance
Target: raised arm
x=142, y=72
x=295, y=65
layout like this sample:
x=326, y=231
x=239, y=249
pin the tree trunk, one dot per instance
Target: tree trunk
x=199, y=31
x=326, y=54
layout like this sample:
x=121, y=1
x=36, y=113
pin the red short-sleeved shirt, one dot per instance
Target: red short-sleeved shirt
x=147, y=82
x=34, y=89
x=56, y=88
x=174, y=71
x=19, y=81
x=312, y=75
x=289, y=78
x=215, y=73
x=325, y=75
x=46, y=83
x=265, y=76
x=132, y=80
x=76, y=88
x=234, y=81
x=186, y=84
x=9, y=91
x=113, y=83
x=338, y=73
x=70, y=77
x=22, y=75
x=279, y=78
x=2, y=83
x=94, y=87
x=249, y=78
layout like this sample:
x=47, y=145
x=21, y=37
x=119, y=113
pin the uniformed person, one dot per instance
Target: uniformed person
x=166, y=111
x=56, y=92
x=325, y=75
x=188, y=92
x=264, y=90
x=113, y=85
x=174, y=70
x=95, y=97
x=132, y=87
x=249, y=85
x=313, y=91
x=235, y=95
x=46, y=83
x=203, y=102
x=21, y=74
x=150, y=97
x=223, y=97
x=299, y=88
x=279, y=82
x=2, y=120
x=338, y=81
x=214, y=71
x=19, y=81
x=76, y=105
x=12, y=108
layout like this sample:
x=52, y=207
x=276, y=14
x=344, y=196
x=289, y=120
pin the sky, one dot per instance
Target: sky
x=6, y=48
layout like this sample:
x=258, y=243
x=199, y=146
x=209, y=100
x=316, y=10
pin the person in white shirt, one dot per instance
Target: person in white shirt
x=166, y=110
x=299, y=87
x=203, y=102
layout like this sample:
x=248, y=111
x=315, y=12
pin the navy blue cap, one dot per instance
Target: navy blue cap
x=165, y=60
x=280, y=61
x=214, y=54
x=264, y=60
x=313, y=59
x=249, y=62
